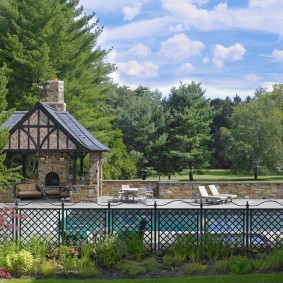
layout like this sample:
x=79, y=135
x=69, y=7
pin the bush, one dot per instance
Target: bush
x=170, y=260
x=132, y=268
x=195, y=268
x=135, y=246
x=21, y=262
x=240, y=265
x=222, y=266
x=275, y=260
x=110, y=251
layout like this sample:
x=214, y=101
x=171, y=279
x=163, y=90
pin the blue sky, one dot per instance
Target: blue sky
x=231, y=47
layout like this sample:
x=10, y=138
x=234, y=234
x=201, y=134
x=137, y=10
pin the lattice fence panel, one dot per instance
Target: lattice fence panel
x=133, y=222
x=266, y=227
x=84, y=225
x=226, y=226
x=42, y=224
x=171, y=223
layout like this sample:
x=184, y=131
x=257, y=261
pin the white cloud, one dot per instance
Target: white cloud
x=139, y=50
x=278, y=54
x=180, y=47
x=131, y=11
x=264, y=15
x=136, y=69
x=185, y=68
x=222, y=54
x=177, y=28
x=252, y=78
x=140, y=29
x=264, y=3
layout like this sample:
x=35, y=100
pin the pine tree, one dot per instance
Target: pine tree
x=6, y=175
x=40, y=40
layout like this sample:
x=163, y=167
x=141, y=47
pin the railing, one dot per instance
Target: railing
x=242, y=226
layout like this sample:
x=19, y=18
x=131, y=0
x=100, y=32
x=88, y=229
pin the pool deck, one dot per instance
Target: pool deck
x=161, y=203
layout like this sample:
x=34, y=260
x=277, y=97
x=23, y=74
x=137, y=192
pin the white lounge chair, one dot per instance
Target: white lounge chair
x=204, y=195
x=214, y=191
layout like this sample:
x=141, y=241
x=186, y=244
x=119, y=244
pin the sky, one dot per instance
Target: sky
x=230, y=46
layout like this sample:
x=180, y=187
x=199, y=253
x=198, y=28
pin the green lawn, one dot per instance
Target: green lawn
x=218, y=175
x=250, y=278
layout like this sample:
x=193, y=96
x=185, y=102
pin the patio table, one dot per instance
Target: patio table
x=129, y=191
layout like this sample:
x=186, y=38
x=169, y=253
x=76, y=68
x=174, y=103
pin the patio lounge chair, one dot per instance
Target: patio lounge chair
x=214, y=191
x=204, y=195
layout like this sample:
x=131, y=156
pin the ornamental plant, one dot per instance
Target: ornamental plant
x=20, y=263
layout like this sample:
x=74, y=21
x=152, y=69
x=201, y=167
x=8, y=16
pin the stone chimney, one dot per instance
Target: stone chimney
x=54, y=95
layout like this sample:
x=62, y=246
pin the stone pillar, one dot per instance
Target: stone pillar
x=95, y=170
x=54, y=95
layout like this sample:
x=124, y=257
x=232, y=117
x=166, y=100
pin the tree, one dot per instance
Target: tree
x=255, y=137
x=188, y=127
x=40, y=40
x=142, y=121
x=223, y=109
x=6, y=175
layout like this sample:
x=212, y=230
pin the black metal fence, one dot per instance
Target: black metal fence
x=244, y=226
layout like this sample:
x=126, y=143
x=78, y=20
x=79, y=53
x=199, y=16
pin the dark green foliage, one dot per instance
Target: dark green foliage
x=41, y=40
x=188, y=128
x=7, y=176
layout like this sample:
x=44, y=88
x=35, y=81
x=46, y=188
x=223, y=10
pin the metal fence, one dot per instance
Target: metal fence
x=245, y=227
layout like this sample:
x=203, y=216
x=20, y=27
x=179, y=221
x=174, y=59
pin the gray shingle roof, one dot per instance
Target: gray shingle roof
x=67, y=123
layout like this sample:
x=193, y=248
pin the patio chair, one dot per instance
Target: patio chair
x=204, y=195
x=141, y=195
x=149, y=193
x=214, y=191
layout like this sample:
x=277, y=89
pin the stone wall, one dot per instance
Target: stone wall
x=188, y=190
x=53, y=164
x=7, y=195
x=83, y=193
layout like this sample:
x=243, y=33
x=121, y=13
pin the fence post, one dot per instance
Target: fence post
x=247, y=225
x=155, y=226
x=62, y=234
x=16, y=224
x=108, y=218
x=201, y=225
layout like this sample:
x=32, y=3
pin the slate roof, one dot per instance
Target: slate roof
x=66, y=122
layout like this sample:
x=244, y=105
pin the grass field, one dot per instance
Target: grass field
x=250, y=278
x=218, y=175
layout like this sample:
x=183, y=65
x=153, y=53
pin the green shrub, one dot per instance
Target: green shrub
x=240, y=265
x=185, y=247
x=170, y=260
x=132, y=268
x=110, y=251
x=37, y=247
x=150, y=264
x=20, y=263
x=86, y=267
x=135, y=246
x=221, y=266
x=195, y=268
x=275, y=260
x=48, y=269
x=258, y=264
x=215, y=248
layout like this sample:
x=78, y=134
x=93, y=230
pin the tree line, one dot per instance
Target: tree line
x=145, y=131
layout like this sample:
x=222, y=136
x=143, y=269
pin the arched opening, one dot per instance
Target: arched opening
x=52, y=179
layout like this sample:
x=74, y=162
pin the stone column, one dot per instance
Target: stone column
x=95, y=170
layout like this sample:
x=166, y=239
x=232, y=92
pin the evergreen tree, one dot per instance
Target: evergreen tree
x=188, y=128
x=40, y=40
x=6, y=175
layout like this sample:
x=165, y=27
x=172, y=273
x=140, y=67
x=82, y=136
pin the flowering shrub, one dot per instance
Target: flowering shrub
x=6, y=215
x=4, y=273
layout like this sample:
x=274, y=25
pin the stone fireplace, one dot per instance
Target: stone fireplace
x=53, y=171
